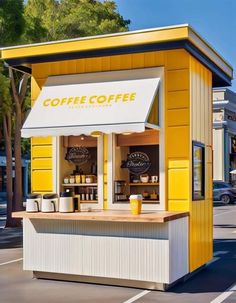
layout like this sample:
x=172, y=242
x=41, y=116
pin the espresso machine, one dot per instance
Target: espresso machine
x=120, y=190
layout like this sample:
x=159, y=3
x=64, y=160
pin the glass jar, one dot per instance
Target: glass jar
x=72, y=179
x=77, y=179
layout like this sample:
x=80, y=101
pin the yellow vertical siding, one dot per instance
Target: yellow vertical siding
x=105, y=159
x=184, y=78
x=201, y=130
x=177, y=129
x=41, y=152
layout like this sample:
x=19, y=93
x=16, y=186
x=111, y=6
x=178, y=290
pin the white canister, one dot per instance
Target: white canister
x=66, y=202
x=50, y=203
x=33, y=203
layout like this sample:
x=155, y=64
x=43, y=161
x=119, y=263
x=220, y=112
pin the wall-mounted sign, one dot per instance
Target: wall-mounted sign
x=137, y=163
x=78, y=155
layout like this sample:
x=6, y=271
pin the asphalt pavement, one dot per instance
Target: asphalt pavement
x=216, y=283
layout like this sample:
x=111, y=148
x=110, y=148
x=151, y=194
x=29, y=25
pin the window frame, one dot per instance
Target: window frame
x=203, y=169
x=162, y=174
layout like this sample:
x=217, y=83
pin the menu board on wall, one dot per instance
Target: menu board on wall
x=198, y=171
x=137, y=163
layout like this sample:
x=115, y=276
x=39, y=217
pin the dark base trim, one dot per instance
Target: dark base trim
x=102, y=280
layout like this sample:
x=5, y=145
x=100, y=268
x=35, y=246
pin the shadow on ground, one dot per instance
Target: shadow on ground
x=217, y=276
x=11, y=238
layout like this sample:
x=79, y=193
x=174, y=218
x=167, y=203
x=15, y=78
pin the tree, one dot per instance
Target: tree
x=11, y=29
x=53, y=20
x=11, y=21
x=18, y=98
x=39, y=21
x=6, y=122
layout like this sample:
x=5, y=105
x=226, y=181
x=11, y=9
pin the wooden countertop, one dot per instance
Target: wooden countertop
x=106, y=215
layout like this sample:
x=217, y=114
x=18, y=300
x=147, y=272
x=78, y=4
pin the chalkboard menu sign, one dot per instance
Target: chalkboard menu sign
x=78, y=155
x=137, y=163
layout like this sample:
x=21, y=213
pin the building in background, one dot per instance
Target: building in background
x=224, y=134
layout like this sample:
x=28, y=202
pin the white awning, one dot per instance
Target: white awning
x=108, y=102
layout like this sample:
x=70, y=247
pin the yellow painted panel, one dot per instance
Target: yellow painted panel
x=177, y=80
x=55, y=68
x=209, y=154
x=201, y=215
x=42, y=180
x=41, y=151
x=35, y=89
x=178, y=117
x=178, y=205
x=126, y=61
x=150, y=59
x=115, y=62
x=41, y=70
x=41, y=141
x=178, y=163
x=178, y=99
x=177, y=59
x=209, y=182
x=80, y=66
x=39, y=163
x=178, y=137
x=93, y=65
x=178, y=180
x=160, y=58
x=138, y=60
x=105, y=158
x=154, y=115
x=105, y=179
x=105, y=64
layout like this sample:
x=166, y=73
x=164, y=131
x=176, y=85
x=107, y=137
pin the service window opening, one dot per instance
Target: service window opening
x=80, y=167
x=136, y=167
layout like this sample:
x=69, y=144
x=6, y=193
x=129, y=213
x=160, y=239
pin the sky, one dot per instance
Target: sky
x=214, y=20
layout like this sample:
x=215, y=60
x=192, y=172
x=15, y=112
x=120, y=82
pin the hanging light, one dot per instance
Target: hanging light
x=126, y=133
x=96, y=134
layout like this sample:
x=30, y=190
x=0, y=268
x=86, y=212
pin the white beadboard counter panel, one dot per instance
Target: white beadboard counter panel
x=149, y=252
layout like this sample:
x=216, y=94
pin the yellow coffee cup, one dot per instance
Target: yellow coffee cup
x=136, y=204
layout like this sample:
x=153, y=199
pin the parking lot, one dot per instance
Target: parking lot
x=215, y=283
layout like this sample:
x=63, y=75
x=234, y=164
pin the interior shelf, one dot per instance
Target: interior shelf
x=88, y=201
x=144, y=184
x=144, y=201
x=79, y=184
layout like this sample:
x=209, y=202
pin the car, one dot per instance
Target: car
x=224, y=192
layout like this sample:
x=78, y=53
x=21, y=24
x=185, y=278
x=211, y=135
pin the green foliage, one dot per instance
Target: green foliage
x=11, y=21
x=25, y=146
x=44, y=20
x=89, y=17
x=5, y=96
x=53, y=20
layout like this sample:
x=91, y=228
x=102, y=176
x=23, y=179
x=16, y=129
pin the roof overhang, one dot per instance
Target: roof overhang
x=165, y=38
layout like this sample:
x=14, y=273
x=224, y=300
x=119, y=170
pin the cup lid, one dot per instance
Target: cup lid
x=138, y=197
x=34, y=196
x=66, y=194
x=50, y=196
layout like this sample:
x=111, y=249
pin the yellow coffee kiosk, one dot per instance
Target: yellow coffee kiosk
x=113, y=116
